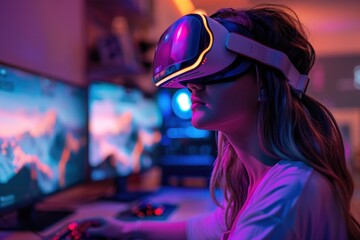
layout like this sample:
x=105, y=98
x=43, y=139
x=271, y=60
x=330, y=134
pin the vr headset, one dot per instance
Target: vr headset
x=199, y=49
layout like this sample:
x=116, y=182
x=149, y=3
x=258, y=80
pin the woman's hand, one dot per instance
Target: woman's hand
x=111, y=228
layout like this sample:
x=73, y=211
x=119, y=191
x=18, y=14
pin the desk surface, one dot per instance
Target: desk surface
x=190, y=202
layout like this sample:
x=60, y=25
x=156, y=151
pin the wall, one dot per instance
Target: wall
x=45, y=36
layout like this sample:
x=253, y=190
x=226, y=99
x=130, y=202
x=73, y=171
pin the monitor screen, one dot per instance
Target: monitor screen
x=124, y=130
x=43, y=136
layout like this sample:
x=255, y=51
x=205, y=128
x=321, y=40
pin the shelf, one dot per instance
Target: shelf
x=104, y=71
x=112, y=48
x=138, y=12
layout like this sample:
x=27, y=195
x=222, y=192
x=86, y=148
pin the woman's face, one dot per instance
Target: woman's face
x=227, y=107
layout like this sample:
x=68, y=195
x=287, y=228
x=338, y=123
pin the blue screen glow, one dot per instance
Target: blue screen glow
x=181, y=104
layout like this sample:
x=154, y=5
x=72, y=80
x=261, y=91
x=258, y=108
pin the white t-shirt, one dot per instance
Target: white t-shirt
x=292, y=201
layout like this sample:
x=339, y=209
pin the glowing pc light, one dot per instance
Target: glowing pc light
x=181, y=103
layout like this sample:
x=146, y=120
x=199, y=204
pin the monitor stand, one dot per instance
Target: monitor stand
x=31, y=219
x=122, y=192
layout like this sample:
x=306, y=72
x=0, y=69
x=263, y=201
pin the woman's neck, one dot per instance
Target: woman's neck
x=249, y=152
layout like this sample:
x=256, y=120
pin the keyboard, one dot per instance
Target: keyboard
x=73, y=231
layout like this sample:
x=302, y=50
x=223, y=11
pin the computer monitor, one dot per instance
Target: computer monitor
x=43, y=143
x=124, y=132
x=186, y=152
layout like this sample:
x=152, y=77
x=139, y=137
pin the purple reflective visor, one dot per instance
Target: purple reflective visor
x=180, y=46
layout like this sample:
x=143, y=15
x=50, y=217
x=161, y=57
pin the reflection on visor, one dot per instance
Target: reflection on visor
x=179, y=46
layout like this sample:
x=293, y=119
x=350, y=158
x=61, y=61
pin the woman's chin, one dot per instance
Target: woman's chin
x=196, y=123
x=200, y=123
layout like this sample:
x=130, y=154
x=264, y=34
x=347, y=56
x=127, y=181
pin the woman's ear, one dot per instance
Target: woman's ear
x=262, y=95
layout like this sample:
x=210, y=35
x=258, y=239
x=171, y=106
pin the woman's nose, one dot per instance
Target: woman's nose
x=195, y=87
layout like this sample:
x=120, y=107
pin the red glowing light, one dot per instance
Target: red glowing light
x=72, y=226
x=158, y=211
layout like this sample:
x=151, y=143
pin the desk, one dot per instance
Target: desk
x=190, y=202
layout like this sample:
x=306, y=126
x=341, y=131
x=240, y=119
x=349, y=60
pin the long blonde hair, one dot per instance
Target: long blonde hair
x=302, y=129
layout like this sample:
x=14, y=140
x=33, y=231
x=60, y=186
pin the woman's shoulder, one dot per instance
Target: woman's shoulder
x=292, y=179
x=288, y=173
x=291, y=167
x=295, y=173
x=293, y=199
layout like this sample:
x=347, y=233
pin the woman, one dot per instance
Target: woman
x=280, y=161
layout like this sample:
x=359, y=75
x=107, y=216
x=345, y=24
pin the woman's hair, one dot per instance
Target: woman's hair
x=302, y=128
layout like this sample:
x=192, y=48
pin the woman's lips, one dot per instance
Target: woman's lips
x=196, y=103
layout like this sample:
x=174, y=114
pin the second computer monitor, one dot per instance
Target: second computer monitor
x=124, y=130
